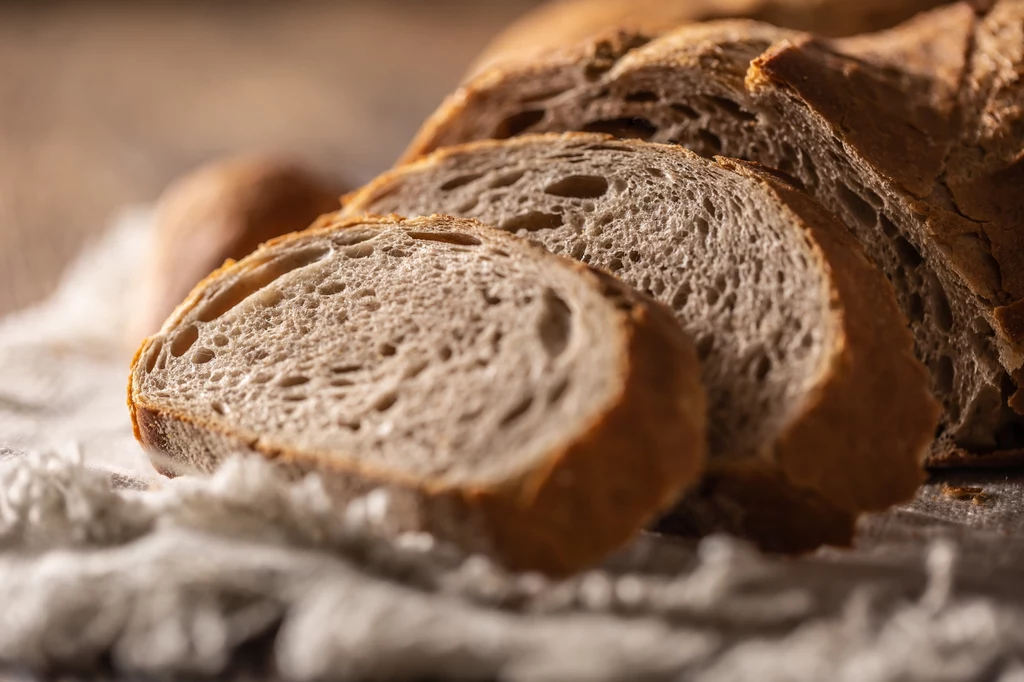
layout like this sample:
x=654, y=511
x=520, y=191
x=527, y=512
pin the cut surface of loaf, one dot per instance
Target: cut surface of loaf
x=911, y=137
x=807, y=361
x=560, y=22
x=560, y=409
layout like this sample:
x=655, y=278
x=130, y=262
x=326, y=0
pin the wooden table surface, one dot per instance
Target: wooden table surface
x=101, y=104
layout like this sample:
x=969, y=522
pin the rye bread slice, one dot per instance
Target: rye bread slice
x=880, y=129
x=525, y=400
x=817, y=408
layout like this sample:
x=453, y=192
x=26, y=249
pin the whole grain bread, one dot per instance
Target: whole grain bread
x=223, y=209
x=912, y=137
x=558, y=23
x=817, y=407
x=523, y=399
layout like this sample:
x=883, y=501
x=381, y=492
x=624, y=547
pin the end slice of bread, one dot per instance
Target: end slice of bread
x=531, y=397
x=812, y=384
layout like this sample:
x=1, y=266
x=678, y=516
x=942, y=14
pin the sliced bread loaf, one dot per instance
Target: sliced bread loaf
x=907, y=136
x=535, y=400
x=815, y=399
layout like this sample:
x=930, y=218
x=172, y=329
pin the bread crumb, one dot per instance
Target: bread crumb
x=975, y=494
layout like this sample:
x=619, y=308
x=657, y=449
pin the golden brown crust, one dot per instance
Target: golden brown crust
x=587, y=499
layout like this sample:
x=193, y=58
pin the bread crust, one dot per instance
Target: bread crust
x=559, y=22
x=858, y=443
x=590, y=495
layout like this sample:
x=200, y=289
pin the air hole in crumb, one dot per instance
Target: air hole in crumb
x=359, y=250
x=710, y=141
x=459, y=181
x=808, y=340
x=940, y=307
x=445, y=353
x=489, y=297
x=733, y=109
x=414, y=369
x=862, y=211
x=385, y=401
x=532, y=222
x=261, y=377
x=557, y=391
x=256, y=278
x=888, y=228
x=908, y=255
x=293, y=380
x=682, y=295
x=555, y=323
x=202, y=356
x=615, y=264
x=294, y=397
x=944, y=375
x=702, y=225
x=712, y=296
x=579, y=187
x=506, y=180
x=341, y=382
x=218, y=407
x=459, y=238
x=656, y=173
x=517, y=411
x=635, y=127
x=184, y=340
x=518, y=123
x=642, y=96
x=154, y=354
x=915, y=308
x=331, y=288
x=686, y=110
x=345, y=369
x=388, y=349
x=704, y=346
x=349, y=424
x=762, y=366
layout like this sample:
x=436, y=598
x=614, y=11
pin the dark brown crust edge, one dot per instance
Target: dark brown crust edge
x=586, y=502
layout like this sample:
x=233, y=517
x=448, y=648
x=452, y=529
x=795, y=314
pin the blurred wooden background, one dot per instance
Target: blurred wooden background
x=102, y=103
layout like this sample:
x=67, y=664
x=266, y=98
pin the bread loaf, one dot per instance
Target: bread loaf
x=222, y=210
x=817, y=408
x=519, y=395
x=912, y=137
x=558, y=23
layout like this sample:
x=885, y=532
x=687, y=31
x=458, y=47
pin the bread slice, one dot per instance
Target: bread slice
x=879, y=138
x=558, y=23
x=813, y=390
x=542, y=401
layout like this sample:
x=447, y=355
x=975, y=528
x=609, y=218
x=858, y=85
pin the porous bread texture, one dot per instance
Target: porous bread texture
x=807, y=362
x=880, y=134
x=557, y=409
x=562, y=22
x=223, y=209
